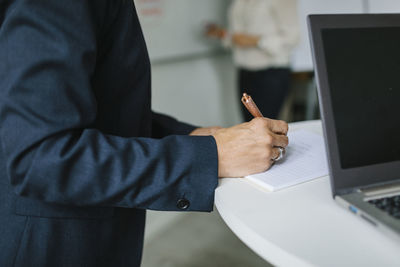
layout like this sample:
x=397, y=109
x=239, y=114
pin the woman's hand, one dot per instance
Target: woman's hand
x=249, y=147
x=245, y=40
x=213, y=30
x=205, y=131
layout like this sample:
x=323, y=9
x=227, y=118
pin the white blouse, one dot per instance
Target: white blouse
x=275, y=21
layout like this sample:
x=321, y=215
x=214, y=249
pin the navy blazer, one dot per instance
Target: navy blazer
x=82, y=155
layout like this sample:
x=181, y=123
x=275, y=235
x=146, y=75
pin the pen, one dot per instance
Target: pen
x=251, y=106
x=253, y=109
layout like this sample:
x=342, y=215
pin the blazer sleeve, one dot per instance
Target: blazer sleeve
x=47, y=109
x=163, y=125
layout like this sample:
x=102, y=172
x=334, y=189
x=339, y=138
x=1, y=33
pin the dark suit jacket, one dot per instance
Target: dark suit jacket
x=77, y=165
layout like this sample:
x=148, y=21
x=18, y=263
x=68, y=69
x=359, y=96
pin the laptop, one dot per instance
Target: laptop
x=357, y=68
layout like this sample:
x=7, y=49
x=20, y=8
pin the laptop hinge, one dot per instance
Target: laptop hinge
x=381, y=191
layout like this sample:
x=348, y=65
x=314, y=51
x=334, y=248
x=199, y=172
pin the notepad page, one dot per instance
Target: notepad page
x=305, y=159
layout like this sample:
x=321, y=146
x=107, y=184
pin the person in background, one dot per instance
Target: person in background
x=82, y=155
x=262, y=35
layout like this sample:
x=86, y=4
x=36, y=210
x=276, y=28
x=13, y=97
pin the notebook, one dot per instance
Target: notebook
x=305, y=160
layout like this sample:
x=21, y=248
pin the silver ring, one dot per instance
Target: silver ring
x=281, y=153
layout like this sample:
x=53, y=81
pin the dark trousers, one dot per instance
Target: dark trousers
x=267, y=87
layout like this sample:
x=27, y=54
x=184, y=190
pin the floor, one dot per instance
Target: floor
x=196, y=240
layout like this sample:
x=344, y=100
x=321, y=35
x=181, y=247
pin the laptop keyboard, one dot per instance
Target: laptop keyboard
x=390, y=205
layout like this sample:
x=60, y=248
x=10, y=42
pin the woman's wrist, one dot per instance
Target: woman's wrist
x=222, y=33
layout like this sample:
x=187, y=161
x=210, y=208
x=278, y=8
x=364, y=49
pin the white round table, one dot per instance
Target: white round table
x=302, y=225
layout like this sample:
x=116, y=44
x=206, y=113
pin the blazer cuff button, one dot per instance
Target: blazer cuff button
x=183, y=204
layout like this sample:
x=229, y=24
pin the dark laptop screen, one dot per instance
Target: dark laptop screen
x=363, y=67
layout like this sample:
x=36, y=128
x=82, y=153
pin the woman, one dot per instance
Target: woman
x=262, y=35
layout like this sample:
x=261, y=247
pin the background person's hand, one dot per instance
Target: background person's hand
x=245, y=40
x=249, y=147
x=215, y=31
x=205, y=131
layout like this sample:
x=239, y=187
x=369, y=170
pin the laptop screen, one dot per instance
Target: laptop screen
x=363, y=73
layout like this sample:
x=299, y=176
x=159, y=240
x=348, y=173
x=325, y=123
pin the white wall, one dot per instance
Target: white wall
x=192, y=79
x=175, y=28
x=383, y=6
x=302, y=60
x=200, y=90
